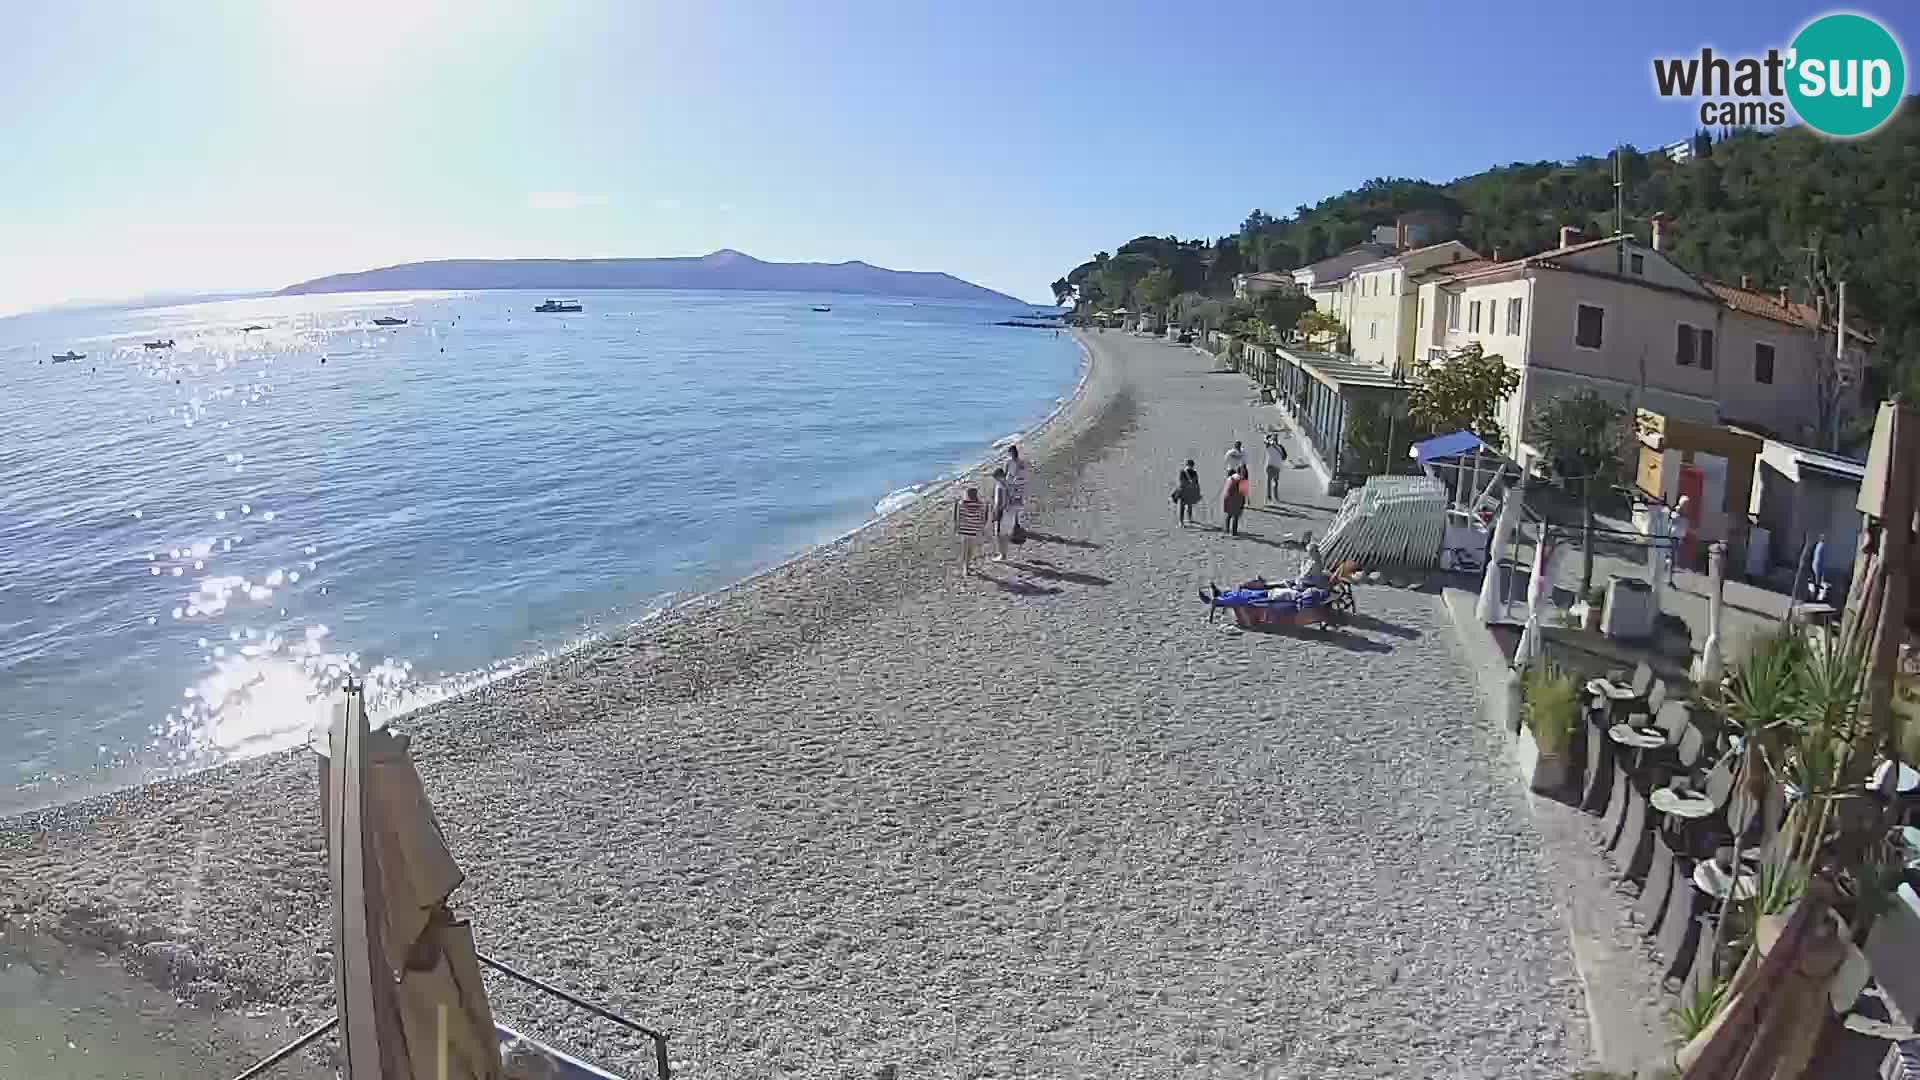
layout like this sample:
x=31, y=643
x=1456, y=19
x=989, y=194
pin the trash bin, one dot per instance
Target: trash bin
x=1629, y=613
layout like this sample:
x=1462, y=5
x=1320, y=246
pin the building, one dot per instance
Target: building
x=1322, y=280
x=1249, y=286
x=1378, y=302
x=1800, y=495
x=1712, y=466
x=1679, y=152
x=1622, y=318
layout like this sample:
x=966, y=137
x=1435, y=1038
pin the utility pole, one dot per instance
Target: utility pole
x=1620, y=210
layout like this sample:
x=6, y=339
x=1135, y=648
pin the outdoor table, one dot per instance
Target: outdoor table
x=1710, y=879
x=1630, y=736
x=1688, y=805
x=1907, y=782
x=1612, y=691
x=1816, y=614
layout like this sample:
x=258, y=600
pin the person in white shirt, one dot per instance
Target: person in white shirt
x=1276, y=457
x=1236, y=457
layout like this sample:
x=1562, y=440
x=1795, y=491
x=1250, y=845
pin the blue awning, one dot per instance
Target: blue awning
x=1445, y=446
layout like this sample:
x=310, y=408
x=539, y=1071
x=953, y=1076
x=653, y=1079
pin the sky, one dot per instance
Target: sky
x=182, y=146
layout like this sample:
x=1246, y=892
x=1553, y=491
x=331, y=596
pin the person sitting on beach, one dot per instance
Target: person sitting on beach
x=1313, y=568
x=970, y=523
x=1234, y=499
x=1004, y=513
x=1186, y=493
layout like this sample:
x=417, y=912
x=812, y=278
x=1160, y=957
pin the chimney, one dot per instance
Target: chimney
x=1659, y=232
x=1746, y=282
x=1496, y=254
x=1569, y=235
x=1786, y=296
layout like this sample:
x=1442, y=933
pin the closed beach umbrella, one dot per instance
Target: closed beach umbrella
x=1493, y=583
x=412, y=1006
x=1777, y=1002
x=1538, y=588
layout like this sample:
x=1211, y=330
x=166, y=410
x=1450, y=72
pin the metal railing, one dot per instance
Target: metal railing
x=663, y=1067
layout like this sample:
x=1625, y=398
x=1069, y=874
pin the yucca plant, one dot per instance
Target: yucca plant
x=1696, y=1010
x=1550, y=705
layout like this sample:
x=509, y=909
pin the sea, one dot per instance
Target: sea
x=200, y=541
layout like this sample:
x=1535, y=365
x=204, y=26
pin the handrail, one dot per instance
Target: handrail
x=659, y=1038
x=287, y=1051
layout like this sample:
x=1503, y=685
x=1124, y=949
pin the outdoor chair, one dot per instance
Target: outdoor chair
x=1654, y=897
x=1599, y=776
x=1701, y=970
x=1691, y=748
x=1633, y=828
x=1616, y=815
x=1681, y=926
x=1644, y=711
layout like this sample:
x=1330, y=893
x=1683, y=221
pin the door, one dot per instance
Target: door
x=1691, y=487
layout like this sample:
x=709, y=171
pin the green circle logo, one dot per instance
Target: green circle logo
x=1846, y=75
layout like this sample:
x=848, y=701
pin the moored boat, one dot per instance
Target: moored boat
x=388, y=320
x=61, y=358
x=167, y=344
x=560, y=306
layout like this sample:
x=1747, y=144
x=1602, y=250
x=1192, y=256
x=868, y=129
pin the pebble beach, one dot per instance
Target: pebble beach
x=863, y=811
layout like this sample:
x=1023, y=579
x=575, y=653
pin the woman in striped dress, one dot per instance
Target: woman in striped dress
x=970, y=522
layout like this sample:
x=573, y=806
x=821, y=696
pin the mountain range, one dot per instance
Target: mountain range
x=723, y=269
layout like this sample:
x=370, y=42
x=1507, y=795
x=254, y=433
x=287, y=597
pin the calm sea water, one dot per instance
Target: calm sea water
x=197, y=543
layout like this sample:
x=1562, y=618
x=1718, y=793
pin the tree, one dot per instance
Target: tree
x=1281, y=309
x=1315, y=326
x=1464, y=393
x=1585, y=438
x=1152, y=291
x=1062, y=292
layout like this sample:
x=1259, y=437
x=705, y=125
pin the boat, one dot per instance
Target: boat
x=822, y=307
x=167, y=344
x=61, y=358
x=388, y=320
x=560, y=305
x=251, y=329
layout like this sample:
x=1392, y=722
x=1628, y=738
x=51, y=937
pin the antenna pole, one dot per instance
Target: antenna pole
x=1619, y=211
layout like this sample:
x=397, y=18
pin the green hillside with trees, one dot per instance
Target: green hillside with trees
x=1787, y=208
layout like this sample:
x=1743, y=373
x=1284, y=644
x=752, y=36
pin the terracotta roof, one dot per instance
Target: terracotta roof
x=1767, y=305
x=1455, y=269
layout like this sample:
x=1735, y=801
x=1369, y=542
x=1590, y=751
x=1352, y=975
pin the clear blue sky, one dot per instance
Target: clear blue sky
x=159, y=146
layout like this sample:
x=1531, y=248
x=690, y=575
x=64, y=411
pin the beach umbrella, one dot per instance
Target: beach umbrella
x=1493, y=582
x=411, y=1002
x=1709, y=669
x=1532, y=643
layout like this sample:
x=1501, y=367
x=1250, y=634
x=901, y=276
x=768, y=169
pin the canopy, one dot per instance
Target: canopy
x=1445, y=446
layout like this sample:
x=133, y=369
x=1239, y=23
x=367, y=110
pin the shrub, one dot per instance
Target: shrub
x=1550, y=705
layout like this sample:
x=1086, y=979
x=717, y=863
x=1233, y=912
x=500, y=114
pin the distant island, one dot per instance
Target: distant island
x=724, y=269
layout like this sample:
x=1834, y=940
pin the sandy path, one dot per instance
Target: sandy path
x=864, y=812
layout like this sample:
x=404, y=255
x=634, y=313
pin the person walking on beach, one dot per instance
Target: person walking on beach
x=1234, y=499
x=969, y=523
x=1004, y=513
x=1276, y=457
x=1236, y=458
x=1186, y=493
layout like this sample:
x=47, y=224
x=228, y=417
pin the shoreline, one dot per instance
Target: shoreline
x=518, y=666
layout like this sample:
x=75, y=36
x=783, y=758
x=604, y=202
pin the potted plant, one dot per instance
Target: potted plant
x=1550, y=706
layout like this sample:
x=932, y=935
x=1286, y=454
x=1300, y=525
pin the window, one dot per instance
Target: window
x=1703, y=349
x=1453, y=311
x=1589, y=326
x=1473, y=318
x=1513, y=316
x=1393, y=286
x=1683, y=345
x=1763, y=364
x=1373, y=330
x=1420, y=311
x=1639, y=264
